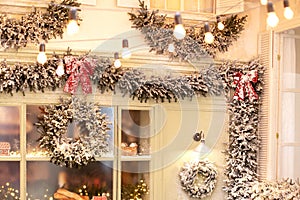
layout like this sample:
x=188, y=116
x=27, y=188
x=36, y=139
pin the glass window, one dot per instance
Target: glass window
x=9, y=130
x=10, y=178
x=44, y=179
x=135, y=132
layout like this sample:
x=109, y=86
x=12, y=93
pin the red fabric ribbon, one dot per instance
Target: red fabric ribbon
x=244, y=86
x=80, y=71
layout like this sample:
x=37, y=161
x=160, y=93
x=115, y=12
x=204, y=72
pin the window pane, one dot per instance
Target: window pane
x=207, y=6
x=290, y=115
x=290, y=162
x=173, y=5
x=290, y=62
x=135, y=132
x=73, y=130
x=9, y=130
x=44, y=178
x=10, y=177
x=157, y=4
x=191, y=5
x=135, y=180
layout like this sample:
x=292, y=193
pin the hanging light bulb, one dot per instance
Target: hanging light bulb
x=220, y=24
x=179, y=31
x=272, y=19
x=288, y=12
x=42, y=57
x=117, y=62
x=264, y=2
x=126, y=53
x=60, y=68
x=208, y=36
x=171, y=48
x=72, y=27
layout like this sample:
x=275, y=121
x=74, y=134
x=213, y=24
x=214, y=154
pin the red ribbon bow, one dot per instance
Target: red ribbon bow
x=244, y=85
x=80, y=71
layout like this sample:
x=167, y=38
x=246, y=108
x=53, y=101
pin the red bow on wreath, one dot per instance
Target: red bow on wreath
x=80, y=71
x=244, y=85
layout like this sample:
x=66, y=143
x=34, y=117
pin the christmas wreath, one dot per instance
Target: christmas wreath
x=191, y=182
x=92, y=139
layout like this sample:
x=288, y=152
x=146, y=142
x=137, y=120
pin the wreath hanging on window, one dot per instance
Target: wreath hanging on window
x=92, y=139
x=198, y=178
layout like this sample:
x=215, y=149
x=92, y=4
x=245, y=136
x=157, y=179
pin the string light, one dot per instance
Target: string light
x=288, y=12
x=72, y=27
x=117, y=62
x=60, y=68
x=126, y=53
x=179, y=31
x=220, y=23
x=264, y=2
x=272, y=19
x=42, y=57
x=208, y=36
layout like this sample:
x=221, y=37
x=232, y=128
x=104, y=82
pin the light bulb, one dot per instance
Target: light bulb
x=42, y=57
x=272, y=19
x=209, y=38
x=221, y=26
x=126, y=53
x=179, y=31
x=171, y=48
x=72, y=27
x=117, y=63
x=288, y=13
x=264, y=2
x=60, y=69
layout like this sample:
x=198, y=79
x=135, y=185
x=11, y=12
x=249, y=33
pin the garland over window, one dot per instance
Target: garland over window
x=35, y=26
x=159, y=34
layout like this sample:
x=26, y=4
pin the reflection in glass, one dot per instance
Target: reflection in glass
x=32, y=113
x=9, y=130
x=10, y=174
x=135, y=180
x=135, y=132
x=44, y=178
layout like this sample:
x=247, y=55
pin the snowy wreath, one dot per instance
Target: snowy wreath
x=191, y=181
x=92, y=139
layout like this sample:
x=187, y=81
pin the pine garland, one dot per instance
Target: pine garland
x=35, y=26
x=159, y=34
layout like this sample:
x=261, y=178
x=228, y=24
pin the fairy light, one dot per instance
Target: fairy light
x=179, y=31
x=117, y=62
x=272, y=19
x=208, y=36
x=263, y=2
x=42, y=57
x=171, y=48
x=220, y=23
x=60, y=68
x=288, y=12
x=126, y=53
x=72, y=27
